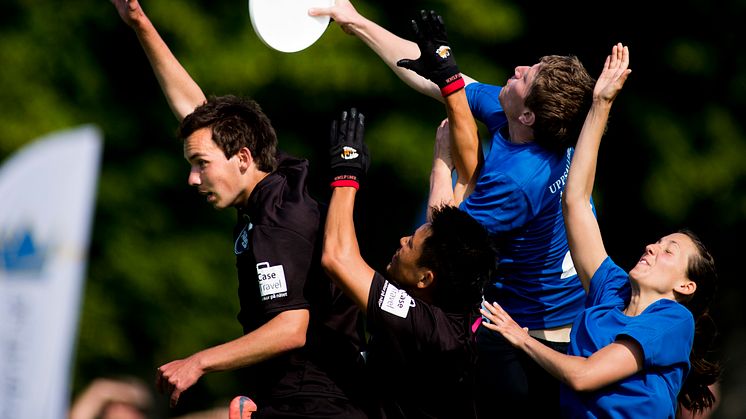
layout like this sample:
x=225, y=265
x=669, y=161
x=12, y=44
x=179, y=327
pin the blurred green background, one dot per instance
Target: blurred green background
x=161, y=278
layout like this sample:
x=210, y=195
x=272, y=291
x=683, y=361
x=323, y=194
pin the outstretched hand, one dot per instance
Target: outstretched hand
x=442, y=150
x=614, y=74
x=129, y=10
x=436, y=62
x=342, y=12
x=348, y=154
x=501, y=322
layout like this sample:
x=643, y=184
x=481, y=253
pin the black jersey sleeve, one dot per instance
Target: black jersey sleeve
x=409, y=321
x=283, y=261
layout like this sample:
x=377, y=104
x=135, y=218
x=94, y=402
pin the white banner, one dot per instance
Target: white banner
x=47, y=195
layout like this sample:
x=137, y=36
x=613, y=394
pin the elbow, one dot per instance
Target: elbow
x=330, y=262
x=581, y=383
x=296, y=340
x=572, y=201
x=577, y=386
x=292, y=341
x=294, y=336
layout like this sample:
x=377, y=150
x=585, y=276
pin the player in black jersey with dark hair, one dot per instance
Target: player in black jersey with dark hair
x=301, y=341
x=420, y=356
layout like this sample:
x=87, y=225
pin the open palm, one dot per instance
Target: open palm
x=614, y=74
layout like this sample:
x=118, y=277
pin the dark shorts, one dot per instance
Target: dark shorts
x=510, y=384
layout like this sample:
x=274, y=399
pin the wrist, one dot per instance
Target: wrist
x=601, y=103
x=346, y=177
x=360, y=27
x=207, y=361
x=345, y=183
x=452, y=85
x=141, y=23
x=441, y=168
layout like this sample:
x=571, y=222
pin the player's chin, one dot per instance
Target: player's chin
x=390, y=269
x=218, y=205
x=217, y=202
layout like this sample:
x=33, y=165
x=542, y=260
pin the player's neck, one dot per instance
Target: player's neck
x=518, y=133
x=253, y=177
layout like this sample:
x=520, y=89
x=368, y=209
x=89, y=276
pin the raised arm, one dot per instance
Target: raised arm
x=464, y=141
x=389, y=47
x=583, y=234
x=182, y=93
x=441, y=183
x=437, y=63
x=443, y=191
x=341, y=256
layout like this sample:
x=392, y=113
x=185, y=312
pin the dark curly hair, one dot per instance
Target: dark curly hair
x=459, y=252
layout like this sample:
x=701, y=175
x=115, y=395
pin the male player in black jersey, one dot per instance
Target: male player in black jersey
x=300, y=337
x=420, y=356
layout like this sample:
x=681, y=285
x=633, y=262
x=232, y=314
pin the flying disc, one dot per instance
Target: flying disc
x=285, y=25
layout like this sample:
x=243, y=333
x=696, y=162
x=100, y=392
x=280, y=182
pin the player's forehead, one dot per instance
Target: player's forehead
x=422, y=233
x=532, y=72
x=200, y=144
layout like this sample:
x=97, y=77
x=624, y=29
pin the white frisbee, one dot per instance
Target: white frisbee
x=285, y=24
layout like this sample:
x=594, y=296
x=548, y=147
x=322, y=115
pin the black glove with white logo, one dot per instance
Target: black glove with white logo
x=436, y=62
x=348, y=154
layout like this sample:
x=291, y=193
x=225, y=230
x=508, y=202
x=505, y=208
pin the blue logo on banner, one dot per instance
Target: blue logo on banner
x=20, y=254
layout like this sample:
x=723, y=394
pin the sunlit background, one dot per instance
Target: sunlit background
x=161, y=279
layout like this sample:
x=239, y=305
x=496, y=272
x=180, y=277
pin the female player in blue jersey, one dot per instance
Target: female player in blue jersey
x=631, y=351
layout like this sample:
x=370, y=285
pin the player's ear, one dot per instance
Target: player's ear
x=686, y=287
x=245, y=159
x=426, y=279
x=527, y=118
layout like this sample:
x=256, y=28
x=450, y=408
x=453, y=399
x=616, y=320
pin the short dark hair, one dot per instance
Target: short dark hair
x=560, y=97
x=459, y=252
x=235, y=122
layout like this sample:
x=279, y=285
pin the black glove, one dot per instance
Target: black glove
x=436, y=62
x=348, y=154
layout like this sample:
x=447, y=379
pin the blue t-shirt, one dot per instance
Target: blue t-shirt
x=664, y=331
x=518, y=199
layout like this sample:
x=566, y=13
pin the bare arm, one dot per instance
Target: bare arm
x=182, y=93
x=341, y=255
x=465, y=146
x=348, y=160
x=385, y=44
x=284, y=332
x=441, y=183
x=442, y=189
x=583, y=234
x=610, y=364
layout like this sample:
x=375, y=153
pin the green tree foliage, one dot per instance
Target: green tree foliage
x=161, y=280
